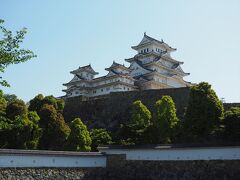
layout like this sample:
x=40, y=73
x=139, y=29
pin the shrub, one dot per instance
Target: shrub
x=99, y=136
x=232, y=124
x=79, y=138
x=165, y=120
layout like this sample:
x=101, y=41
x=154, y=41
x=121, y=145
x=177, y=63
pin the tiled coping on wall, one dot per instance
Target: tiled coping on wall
x=109, y=154
x=38, y=158
x=175, y=152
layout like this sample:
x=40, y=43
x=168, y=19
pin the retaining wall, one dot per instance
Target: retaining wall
x=111, y=110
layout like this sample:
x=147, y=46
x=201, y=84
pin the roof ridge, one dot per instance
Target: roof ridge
x=153, y=39
x=141, y=65
x=85, y=66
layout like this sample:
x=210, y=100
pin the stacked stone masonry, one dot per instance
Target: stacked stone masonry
x=114, y=109
x=145, y=170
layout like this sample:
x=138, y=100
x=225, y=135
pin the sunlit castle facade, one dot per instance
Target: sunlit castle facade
x=151, y=68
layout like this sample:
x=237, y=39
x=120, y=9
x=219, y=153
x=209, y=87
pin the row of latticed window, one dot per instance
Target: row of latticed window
x=101, y=90
x=147, y=50
x=108, y=89
x=113, y=80
x=86, y=75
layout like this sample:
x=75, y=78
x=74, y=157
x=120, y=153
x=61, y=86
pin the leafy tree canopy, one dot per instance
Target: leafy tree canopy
x=139, y=124
x=165, y=120
x=38, y=101
x=57, y=103
x=16, y=108
x=141, y=116
x=55, y=130
x=21, y=133
x=232, y=124
x=79, y=138
x=3, y=104
x=10, y=51
x=10, y=97
x=204, y=112
x=99, y=136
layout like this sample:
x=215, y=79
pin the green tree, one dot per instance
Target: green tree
x=99, y=136
x=10, y=51
x=57, y=103
x=232, y=124
x=165, y=120
x=79, y=138
x=10, y=97
x=3, y=104
x=36, y=132
x=23, y=132
x=16, y=108
x=204, y=113
x=36, y=103
x=18, y=127
x=141, y=116
x=140, y=122
x=55, y=130
x=4, y=131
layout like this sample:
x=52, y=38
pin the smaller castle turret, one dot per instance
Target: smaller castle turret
x=85, y=72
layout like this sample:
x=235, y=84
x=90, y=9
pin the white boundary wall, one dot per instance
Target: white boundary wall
x=25, y=158
x=178, y=154
x=51, y=160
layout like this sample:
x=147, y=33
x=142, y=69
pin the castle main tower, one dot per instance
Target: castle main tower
x=154, y=68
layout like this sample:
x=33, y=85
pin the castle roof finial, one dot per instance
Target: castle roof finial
x=145, y=33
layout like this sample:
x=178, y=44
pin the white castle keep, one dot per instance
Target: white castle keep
x=151, y=68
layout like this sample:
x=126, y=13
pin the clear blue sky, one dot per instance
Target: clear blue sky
x=67, y=34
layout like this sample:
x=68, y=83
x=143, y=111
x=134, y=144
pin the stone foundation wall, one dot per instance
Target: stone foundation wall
x=52, y=173
x=185, y=170
x=145, y=170
x=111, y=110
